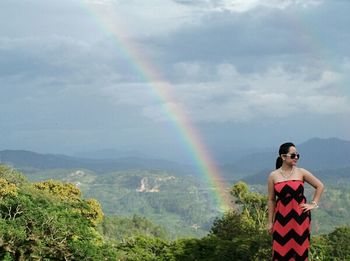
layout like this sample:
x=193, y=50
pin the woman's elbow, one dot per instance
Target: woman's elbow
x=320, y=187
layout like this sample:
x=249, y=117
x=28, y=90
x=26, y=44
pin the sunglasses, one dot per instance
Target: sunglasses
x=293, y=155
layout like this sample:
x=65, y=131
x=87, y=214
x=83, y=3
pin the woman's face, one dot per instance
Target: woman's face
x=292, y=157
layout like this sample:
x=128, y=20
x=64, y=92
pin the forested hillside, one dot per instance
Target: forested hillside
x=182, y=205
x=51, y=221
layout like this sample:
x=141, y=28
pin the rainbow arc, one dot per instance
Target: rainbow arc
x=162, y=90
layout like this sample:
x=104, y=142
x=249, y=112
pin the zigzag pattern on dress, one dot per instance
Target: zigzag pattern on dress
x=285, y=208
x=283, y=240
x=291, y=231
x=290, y=247
x=291, y=255
x=292, y=215
x=283, y=230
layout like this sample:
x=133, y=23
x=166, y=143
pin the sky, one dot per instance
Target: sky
x=137, y=76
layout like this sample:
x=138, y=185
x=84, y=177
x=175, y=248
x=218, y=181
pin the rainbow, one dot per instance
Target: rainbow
x=162, y=91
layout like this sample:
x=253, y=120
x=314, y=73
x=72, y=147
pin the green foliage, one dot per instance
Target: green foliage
x=7, y=189
x=334, y=209
x=37, y=223
x=119, y=228
x=143, y=248
x=253, y=207
x=51, y=221
x=67, y=192
x=241, y=234
x=180, y=204
x=92, y=211
x=228, y=226
x=319, y=248
x=11, y=175
x=194, y=249
x=333, y=246
x=339, y=242
x=64, y=191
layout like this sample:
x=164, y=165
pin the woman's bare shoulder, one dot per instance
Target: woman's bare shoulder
x=272, y=175
x=302, y=170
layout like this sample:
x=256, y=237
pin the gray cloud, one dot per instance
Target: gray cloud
x=275, y=94
x=231, y=68
x=260, y=38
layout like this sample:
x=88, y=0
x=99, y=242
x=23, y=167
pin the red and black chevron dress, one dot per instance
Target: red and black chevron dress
x=291, y=228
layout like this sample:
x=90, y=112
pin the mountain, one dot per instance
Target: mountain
x=325, y=153
x=111, y=154
x=315, y=154
x=328, y=159
x=32, y=161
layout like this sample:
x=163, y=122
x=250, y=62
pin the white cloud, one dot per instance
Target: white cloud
x=245, y=97
x=247, y=5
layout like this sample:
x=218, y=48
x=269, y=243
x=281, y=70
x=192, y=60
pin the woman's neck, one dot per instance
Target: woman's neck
x=286, y=167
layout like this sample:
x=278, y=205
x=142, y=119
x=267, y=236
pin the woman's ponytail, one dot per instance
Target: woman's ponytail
x=279, y=162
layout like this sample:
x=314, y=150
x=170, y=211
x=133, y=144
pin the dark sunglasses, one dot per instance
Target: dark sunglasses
x=293, y=155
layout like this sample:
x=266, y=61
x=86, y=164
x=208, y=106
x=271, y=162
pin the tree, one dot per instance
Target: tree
x=243, y=230
x=339, y=242
x=122, y=228
x=48, y=221
x=253, y=206
x=143, y=248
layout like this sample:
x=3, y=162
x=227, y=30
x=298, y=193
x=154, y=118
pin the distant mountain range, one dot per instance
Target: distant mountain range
x=328, y=159
x=316, y=154
x=32, y=162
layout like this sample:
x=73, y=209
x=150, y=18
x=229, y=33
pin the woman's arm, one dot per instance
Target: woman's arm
x=319, y=187
x=271, y=203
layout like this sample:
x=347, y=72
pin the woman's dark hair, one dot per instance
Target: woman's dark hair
x=284, y=149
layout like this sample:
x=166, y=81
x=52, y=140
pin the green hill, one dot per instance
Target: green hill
x=180, y=204
x=50, y=220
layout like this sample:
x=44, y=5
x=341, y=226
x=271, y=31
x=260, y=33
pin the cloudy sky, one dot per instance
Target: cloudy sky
x=88, y=75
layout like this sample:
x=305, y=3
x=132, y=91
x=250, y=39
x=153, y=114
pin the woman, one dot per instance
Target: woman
x=289, y=214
